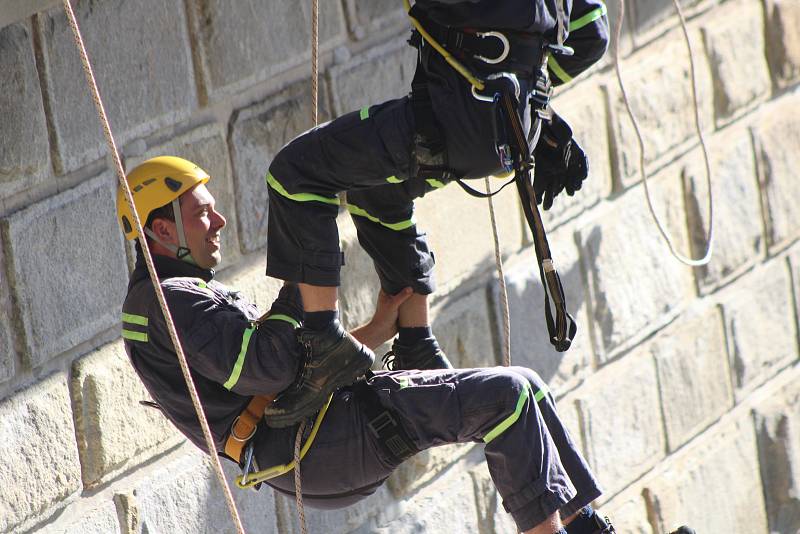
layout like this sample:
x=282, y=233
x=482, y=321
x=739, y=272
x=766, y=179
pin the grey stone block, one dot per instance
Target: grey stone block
x=39, y=467
x=760, y=326
x=777, y=423
x=380, y=74
x=247, y=276
x=621, y=416
x=8, y=353
x=183, y=495
x=492, y=517
x=657, y=79
x=464, y=329
x=422, y=469
x=25, y=151
x=77, y=295
x=648, y=14
x=146, y=82
x=634, y=283
x=530, y=341
x=714, y=487
x=103, y=386
x=628, y=512
x=738, y=232
x=585, y=110
x=254, y=40
x=370, y=15
x=783, y=41
x=206, y=146
x=693, y=374
x=777, y=140
x=257, y=134
x=738, y=65
x=101, y=519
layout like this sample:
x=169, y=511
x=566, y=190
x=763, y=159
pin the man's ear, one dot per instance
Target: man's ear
x=165, y=230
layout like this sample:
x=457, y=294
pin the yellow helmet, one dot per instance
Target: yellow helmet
x=155, y=183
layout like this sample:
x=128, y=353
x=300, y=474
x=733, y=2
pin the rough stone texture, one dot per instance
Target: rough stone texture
x=64, y=303
x=426, y=511
x=626, y=257
x=360, y=285
x=738, y=226
x=760, y=309
x=530, y=341
x=693, y=374
x=777, y=137
x=105, y=386
x=39, y=448
x=492, y=517
x=257, y=134
x=585, y=110
x=647, y=14
x=24, y=152
x=420, y=470
x=371, y=15
x=380, y=74
x=783, y=41
x=7, y=349
x=206, y=146
x=738, y=65
x=460, y=231
x=794, y=265
x=777, y=423
x=622, y=424
x=257, y=40
x=628, y=512
x=464, y=327
x=183, y=495
x=146, y=82
x=714, y=487
x=16, y=10
x=97, y=520
x=658, y=81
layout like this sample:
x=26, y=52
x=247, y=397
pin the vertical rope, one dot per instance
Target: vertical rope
x=90, y=79
x=710, y=234
x=503, y=290
x=298, y=483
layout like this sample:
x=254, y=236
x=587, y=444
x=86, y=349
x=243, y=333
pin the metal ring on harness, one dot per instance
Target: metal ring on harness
x=506, y=47
x=510, y=75
x=233, y=431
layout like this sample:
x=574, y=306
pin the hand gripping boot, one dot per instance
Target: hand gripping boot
x=333, y=358
x=425, y=354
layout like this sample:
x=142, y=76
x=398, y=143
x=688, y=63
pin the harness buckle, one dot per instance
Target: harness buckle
x=381, y=423
x=506, y=47
x=497, y=75
x=240, y=439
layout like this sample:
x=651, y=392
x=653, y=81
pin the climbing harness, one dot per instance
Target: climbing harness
x=512, y=55
x=640, y=139
x=137, y=223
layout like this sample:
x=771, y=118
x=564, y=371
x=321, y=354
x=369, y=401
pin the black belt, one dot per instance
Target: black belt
x=384, y=424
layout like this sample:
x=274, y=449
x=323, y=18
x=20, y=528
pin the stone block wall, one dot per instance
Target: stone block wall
x=681, y=387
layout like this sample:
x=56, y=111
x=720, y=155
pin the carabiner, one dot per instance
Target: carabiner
x=510, y=75
x=503, y=39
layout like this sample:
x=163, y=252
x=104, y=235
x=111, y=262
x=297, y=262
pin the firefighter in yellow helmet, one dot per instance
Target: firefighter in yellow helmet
x=164, y=188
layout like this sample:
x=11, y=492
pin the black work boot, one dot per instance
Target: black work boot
x=333, y=358
x=683, y=530
x=424, y=354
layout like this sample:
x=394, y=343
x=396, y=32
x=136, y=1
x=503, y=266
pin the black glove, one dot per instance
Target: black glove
x=560, y=163
x=288, y=303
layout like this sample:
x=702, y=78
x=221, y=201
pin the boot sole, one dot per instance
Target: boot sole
x=346, y=376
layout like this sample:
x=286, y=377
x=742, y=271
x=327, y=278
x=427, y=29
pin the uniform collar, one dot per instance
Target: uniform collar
x=167, y=267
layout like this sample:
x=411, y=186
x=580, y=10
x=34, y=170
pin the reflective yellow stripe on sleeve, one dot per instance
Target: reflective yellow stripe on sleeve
x=237, y=367
x=281, y=317
x=134, y=319
x=560, y=73
x=588, y=18
x=134, y=336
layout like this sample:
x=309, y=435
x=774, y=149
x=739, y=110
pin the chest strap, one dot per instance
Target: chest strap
x=245, y=424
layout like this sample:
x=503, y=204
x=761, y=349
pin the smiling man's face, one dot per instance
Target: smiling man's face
x=202, y=225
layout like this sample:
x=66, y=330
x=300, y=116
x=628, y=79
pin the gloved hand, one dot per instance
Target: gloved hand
x=289, y=302
x=560, y=163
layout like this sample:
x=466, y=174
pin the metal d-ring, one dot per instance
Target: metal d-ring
x=510, y=75
x=506, y=47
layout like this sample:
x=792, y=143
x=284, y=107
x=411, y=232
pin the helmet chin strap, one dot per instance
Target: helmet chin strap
x=182, y=251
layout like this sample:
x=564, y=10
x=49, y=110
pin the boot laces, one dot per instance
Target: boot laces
x=389, y=360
